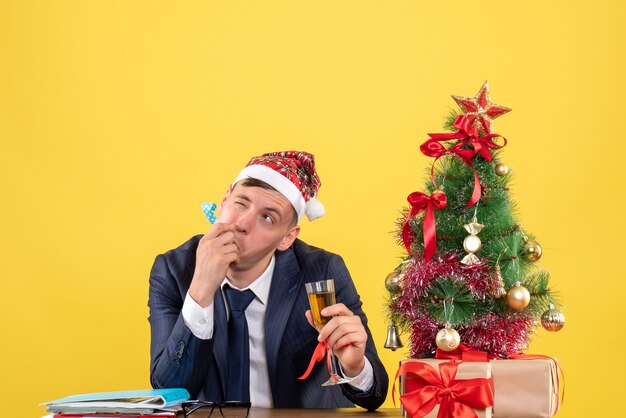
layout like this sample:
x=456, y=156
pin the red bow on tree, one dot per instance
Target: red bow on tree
x=420, y=201
x=467, y=137
x=456, y=398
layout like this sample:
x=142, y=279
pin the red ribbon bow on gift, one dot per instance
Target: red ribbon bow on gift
x=420, y=201
x=467, y=136
x=464, y=353
x=456, y=398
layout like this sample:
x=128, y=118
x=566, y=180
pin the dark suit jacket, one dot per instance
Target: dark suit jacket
x=179, y=359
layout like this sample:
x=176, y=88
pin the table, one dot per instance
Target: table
x=311, y=413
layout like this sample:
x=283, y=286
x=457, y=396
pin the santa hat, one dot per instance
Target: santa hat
x=293, y=174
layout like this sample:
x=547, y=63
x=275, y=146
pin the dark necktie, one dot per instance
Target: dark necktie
x=238, y=388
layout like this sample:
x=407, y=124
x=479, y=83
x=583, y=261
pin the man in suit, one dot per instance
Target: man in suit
x=253, y=253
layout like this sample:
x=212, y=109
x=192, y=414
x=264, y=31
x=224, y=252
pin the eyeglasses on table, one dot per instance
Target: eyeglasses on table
x=229, y=409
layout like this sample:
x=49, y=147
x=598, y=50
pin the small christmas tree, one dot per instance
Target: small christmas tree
x=470, y=273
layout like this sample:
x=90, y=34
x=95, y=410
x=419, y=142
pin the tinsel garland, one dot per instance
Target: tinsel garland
x=419, y=275
x=495, y=334
x=500, y=335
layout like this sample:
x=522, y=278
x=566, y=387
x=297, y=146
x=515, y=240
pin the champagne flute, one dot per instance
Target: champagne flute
x=322, y=294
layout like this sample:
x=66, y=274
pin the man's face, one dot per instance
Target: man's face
x=262, y=223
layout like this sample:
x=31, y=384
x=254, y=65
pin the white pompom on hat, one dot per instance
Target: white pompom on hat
x=292, y=173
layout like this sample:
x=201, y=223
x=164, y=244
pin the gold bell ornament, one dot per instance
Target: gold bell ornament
x=393, y=337
x=393, y=284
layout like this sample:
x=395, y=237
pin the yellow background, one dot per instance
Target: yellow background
x=117, y=118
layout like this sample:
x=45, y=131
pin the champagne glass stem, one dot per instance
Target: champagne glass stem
x=335, y=378
x=332, y=359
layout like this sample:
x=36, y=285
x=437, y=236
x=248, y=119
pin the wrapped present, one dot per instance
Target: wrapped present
x=445, y=388
x=527, y=387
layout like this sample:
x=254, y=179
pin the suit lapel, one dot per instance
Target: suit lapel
x=220, y=337
x=286, y=284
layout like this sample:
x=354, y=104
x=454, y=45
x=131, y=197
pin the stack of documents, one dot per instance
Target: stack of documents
x=131, y=403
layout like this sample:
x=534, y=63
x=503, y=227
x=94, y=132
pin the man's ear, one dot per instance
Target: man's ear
x=289, y=238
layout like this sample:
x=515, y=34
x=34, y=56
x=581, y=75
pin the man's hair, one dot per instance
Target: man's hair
x=252, y=182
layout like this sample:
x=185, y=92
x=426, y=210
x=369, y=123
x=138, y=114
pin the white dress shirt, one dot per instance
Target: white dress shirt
x=200, y=322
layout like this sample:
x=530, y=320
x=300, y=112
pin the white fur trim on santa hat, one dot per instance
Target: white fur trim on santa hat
x=314, y=209
x=277, y=181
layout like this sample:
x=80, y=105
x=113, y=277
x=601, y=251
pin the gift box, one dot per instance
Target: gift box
x=467, y=383
x=526, y=388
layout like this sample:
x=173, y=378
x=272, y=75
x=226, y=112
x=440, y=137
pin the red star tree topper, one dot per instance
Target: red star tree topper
x=480, y=110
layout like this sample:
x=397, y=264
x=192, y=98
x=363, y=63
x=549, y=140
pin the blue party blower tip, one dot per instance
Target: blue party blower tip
x=209, y=211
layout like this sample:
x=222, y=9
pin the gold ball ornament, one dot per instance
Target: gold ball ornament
x=448, y=339
x=392, y=282
x=552, y=320
x=518, y=297
x=533, y=250
x=502, y=169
